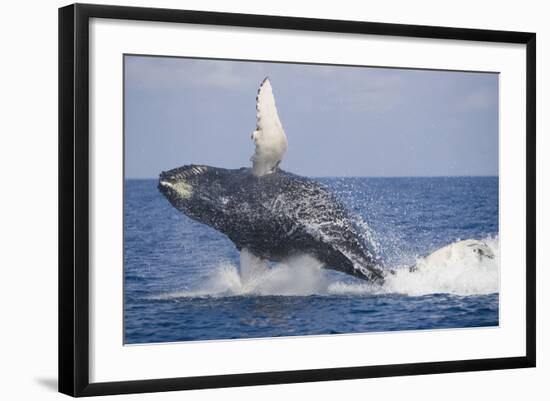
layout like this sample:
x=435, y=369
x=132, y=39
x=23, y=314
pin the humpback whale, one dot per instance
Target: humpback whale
x=272, y=213
x=274, y=216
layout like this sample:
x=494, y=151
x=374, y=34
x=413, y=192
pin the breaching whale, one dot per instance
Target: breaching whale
x=274, y=216
x=269, y=212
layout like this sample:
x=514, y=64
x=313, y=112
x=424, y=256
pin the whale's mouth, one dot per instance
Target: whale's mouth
x=181, y=188
x=165, y=184
x=179, y=182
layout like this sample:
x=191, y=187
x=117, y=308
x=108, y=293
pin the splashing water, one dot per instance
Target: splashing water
x=454, y=272
x=302, y=275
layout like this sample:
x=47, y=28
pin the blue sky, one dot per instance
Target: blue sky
x=340, y=121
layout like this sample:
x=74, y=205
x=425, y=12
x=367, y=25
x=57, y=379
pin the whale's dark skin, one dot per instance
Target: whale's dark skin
x=274, y=216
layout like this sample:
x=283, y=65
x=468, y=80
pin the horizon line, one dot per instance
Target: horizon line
x=367, y=176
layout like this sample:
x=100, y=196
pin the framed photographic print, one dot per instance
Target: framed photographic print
x=250, y=199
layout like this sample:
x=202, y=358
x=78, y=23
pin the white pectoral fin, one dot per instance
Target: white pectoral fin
x=269, y=136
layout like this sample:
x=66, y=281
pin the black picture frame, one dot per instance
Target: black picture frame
x=74, y=198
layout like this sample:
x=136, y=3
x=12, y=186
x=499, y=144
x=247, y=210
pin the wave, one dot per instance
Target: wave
x=454, y=271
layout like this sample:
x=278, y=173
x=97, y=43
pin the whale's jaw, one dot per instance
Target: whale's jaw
x=182, y=188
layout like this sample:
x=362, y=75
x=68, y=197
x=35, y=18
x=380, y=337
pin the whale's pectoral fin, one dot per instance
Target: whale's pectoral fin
x=251, y=266
x=269, y=136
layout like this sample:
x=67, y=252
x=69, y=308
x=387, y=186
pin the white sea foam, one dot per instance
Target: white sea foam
x=456, y=271
x=301, y=275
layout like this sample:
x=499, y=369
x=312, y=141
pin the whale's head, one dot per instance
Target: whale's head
x=204, y=193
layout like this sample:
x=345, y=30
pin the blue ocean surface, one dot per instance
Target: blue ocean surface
x=184, y=281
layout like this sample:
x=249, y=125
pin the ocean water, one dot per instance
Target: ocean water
x=185, y=281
